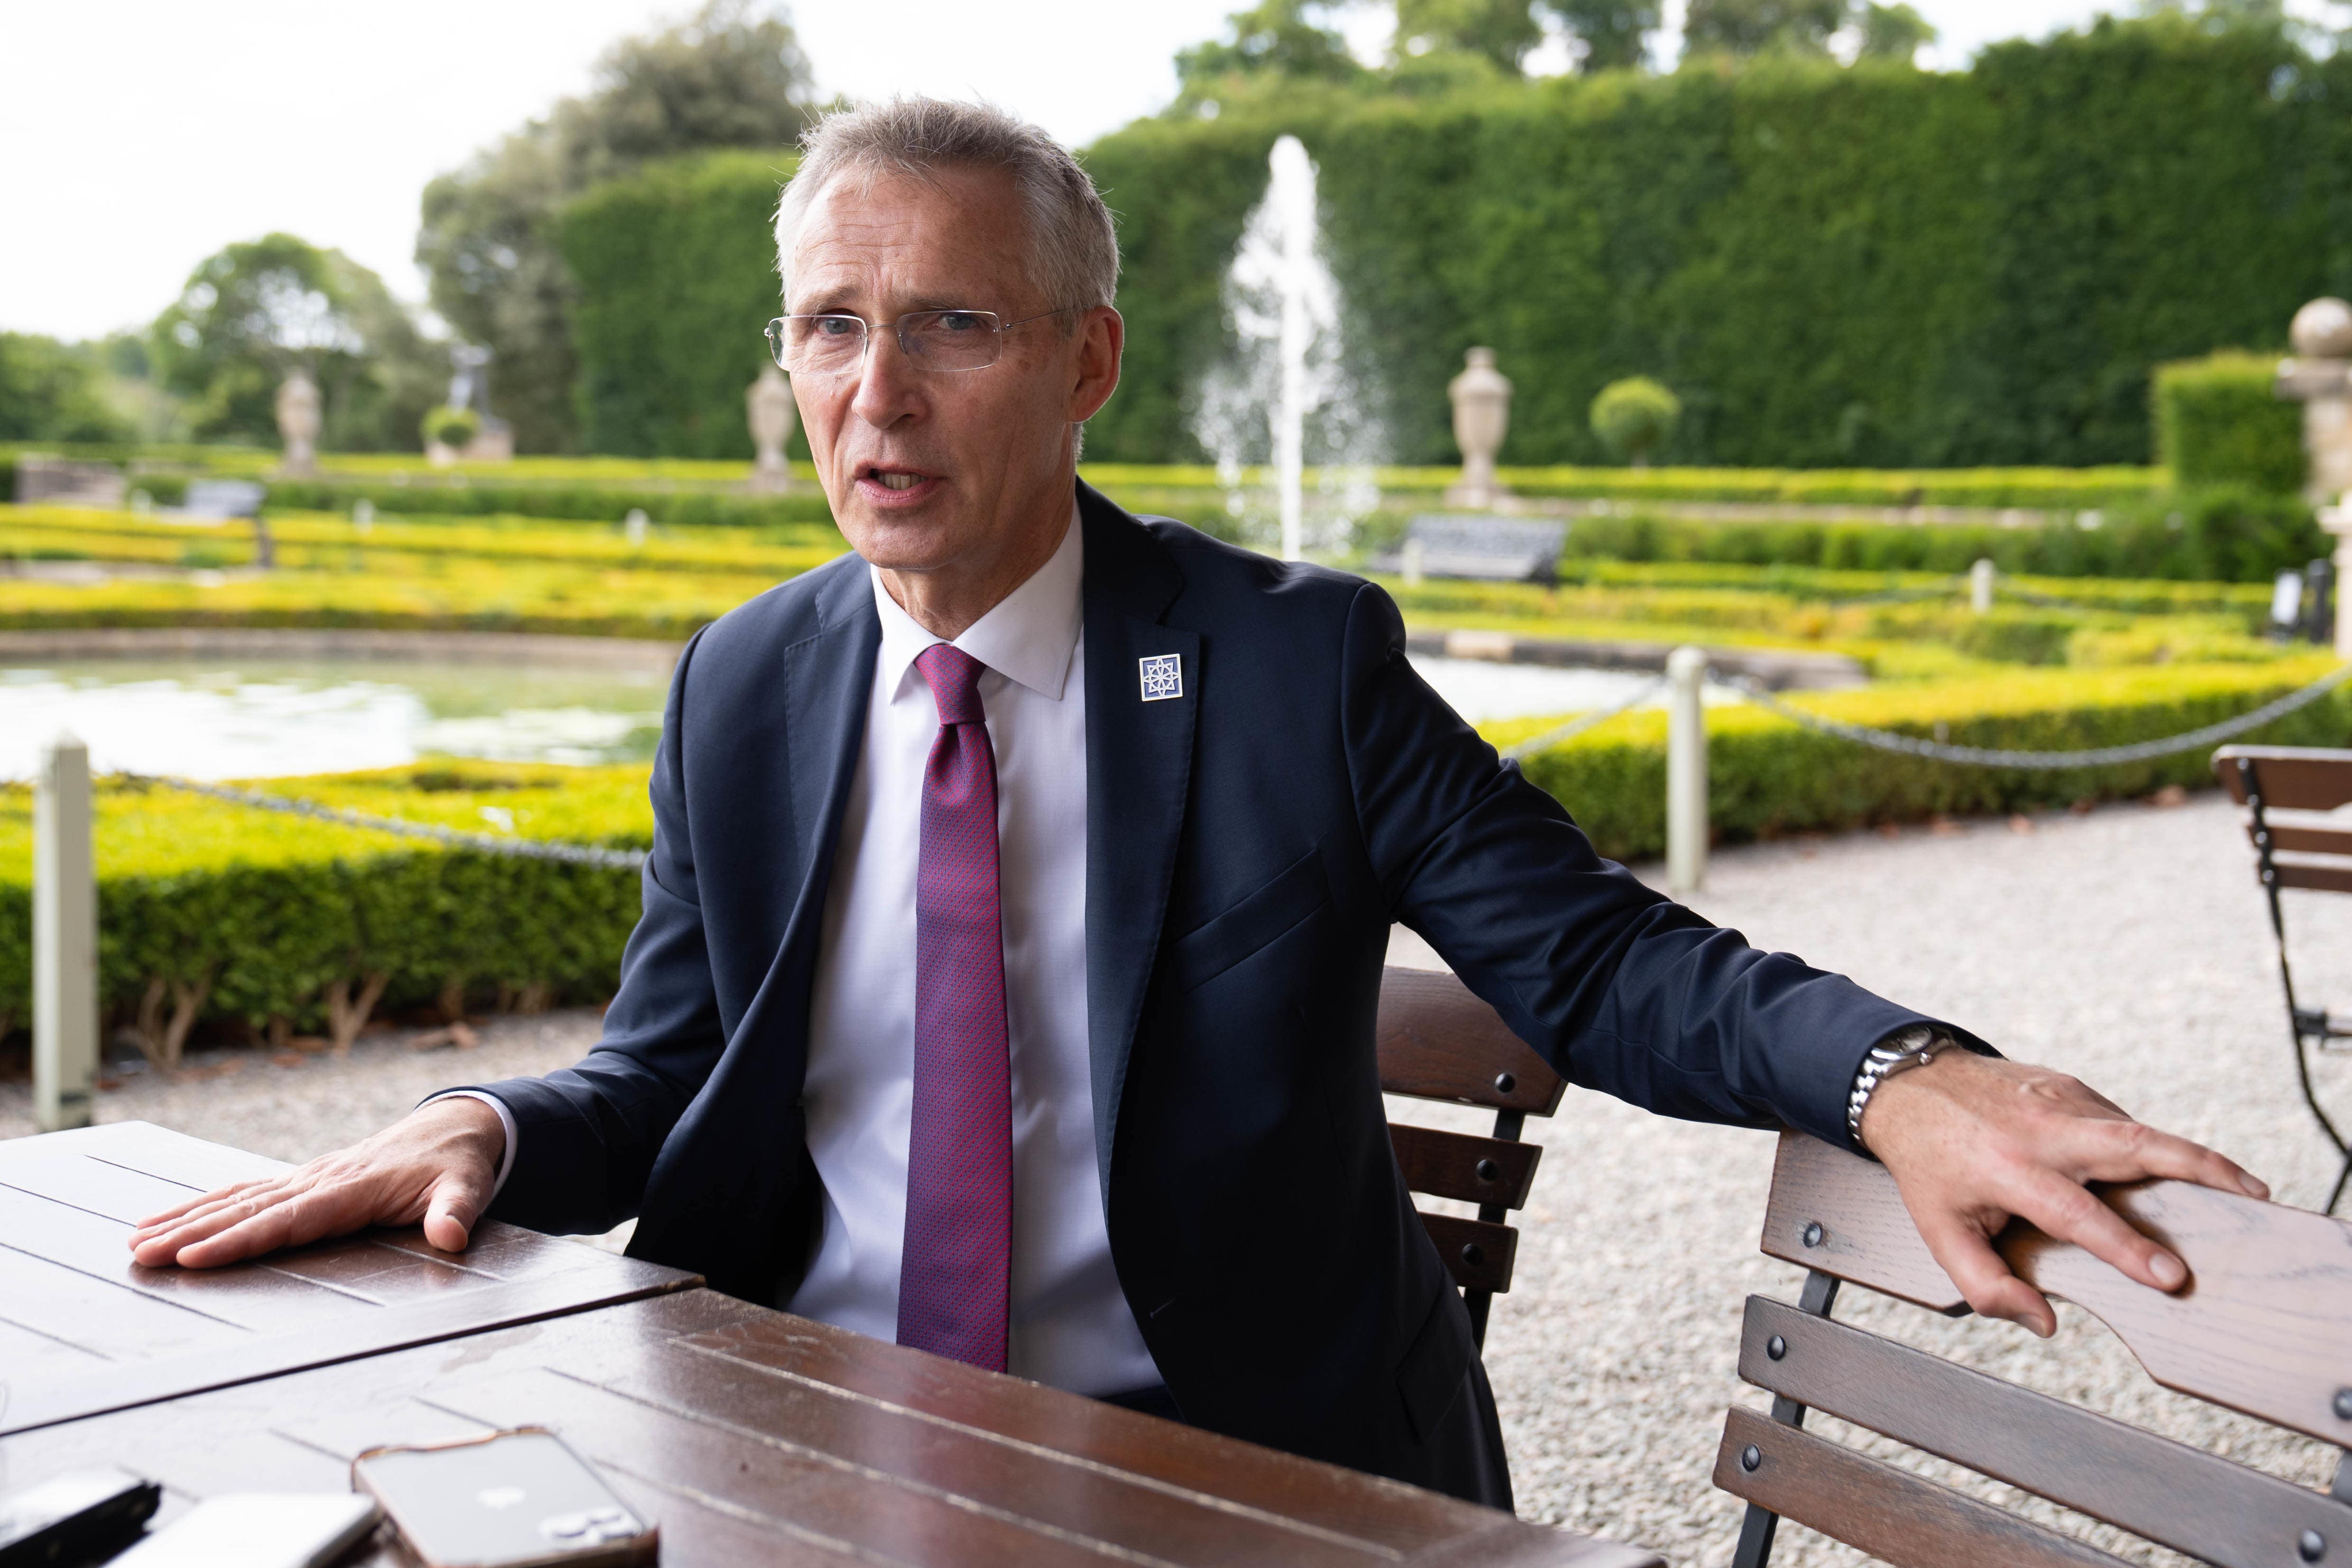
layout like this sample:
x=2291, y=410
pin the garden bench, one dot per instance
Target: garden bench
x=2303, y=850
x=1490, y=548
x=2264, y=1329
x=1438, y=1041
x=218, y=501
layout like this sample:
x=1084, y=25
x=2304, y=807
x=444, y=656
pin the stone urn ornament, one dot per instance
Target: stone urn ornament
x=768, y=405
x=1482, y=417
x=2320, y=376
x=298, y=423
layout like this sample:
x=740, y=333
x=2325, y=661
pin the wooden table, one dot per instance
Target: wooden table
x=754, y=1437
x=84, y=1328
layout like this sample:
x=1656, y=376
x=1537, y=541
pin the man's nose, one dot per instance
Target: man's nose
x=890, y=387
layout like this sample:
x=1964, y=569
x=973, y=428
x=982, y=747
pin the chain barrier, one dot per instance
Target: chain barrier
x=452, y=837
x=1989, y=757
x=1583, y=721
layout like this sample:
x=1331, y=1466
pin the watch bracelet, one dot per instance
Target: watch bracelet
x=1919, y=1041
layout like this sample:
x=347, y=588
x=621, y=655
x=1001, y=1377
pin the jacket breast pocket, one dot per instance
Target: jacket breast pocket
x=1207, y=950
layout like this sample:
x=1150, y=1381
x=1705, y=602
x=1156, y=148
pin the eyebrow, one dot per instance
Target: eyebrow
x=829, y=304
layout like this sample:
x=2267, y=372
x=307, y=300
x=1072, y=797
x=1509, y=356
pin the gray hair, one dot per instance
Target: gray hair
x=1074, y=249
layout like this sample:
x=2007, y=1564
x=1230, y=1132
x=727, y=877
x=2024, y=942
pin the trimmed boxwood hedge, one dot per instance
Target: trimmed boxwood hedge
x=2219, y=422
x=272, y=909
x=1767, y=778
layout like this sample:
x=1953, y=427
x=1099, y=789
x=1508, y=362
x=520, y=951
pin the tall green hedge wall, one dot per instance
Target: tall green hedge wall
x=1863, y=267
x=678, y=282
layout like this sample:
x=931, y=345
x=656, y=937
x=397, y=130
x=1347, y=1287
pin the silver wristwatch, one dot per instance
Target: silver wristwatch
x=1912, y=1047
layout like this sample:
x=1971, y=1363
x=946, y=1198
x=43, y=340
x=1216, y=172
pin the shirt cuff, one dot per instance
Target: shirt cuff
x=506, y=1121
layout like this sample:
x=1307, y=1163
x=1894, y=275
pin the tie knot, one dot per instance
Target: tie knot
x=954, y=676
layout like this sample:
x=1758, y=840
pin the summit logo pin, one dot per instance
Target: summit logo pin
x=1163, y=677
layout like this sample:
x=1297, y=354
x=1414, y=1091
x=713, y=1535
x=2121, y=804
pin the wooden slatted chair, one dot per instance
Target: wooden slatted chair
x=1438, y=1041
x=2265, y=1328
x=2284, y=790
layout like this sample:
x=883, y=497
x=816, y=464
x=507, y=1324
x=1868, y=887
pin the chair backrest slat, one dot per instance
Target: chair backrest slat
x=2265, y=1330
x=1479, y=1255
x=1437, y=1040
x=2292, y=778
x=2321, y=875
x=2307, y=839
x=1458, y=1165
x=2215, y=1511
x=1889, y=1513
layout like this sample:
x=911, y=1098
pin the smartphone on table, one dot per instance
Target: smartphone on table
x=517, y=1498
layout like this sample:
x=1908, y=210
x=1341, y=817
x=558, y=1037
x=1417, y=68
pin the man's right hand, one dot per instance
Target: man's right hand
x=436, y=1165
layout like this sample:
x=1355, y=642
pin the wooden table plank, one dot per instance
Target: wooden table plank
x=102, y=1317
x=781, y=1460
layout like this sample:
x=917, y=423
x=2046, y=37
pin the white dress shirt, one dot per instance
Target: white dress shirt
x=1071, y=1325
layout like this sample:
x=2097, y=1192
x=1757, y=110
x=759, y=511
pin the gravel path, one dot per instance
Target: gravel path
x=2127, y=946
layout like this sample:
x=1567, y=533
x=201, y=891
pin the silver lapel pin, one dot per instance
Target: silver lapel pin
x=1164, y=676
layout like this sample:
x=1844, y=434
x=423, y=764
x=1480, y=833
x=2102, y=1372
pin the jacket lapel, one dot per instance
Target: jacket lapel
x=825, y=682
x=1138, y=768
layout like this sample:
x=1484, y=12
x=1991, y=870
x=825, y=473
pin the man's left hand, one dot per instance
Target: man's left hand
x=1972, y=1141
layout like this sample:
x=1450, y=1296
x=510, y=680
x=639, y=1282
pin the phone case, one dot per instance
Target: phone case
x=572, y=1535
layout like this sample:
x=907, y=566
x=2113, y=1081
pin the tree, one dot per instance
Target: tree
x=732, y=76
x=1634, y=417
x=1893, y=32
x=1502, y=31
x=1614, y=32
x=254, y=312
x=1282, y=38
x=50, y=391
x=1743, y=27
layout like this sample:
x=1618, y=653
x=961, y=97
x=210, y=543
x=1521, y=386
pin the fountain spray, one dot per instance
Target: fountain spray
x=1284, y=308
x=1290, y=199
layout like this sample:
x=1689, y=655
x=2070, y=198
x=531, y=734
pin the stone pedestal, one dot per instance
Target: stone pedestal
x=1482, y=417
x=2320, y=376
x=767, y=407
x=298, y=423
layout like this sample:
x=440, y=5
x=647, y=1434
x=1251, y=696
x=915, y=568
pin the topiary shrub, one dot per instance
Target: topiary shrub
x=2219, y=423
x=451, y=428
x=1634, y=417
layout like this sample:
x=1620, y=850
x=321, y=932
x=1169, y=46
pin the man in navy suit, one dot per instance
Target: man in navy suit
x=1020, y=887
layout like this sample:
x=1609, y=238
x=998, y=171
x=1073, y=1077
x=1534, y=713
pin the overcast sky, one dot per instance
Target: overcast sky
x=139, y=136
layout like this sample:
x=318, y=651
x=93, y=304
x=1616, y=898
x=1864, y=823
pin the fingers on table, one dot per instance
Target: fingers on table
x=286, y=1219
x=159, y=1241
x=177, y=1213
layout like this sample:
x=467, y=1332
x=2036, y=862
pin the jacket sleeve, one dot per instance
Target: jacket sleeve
x=586, y=1135
x=1620, y=988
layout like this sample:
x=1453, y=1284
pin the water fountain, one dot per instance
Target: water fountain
x=1284, y=307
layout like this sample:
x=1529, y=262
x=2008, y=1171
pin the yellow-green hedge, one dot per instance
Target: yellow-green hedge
x=1769, y=777
x=270, y=910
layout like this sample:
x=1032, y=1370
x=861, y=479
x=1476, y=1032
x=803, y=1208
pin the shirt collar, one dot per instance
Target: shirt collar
x=1028, y=638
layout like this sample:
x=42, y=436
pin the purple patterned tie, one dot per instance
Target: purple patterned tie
x=958, y=1246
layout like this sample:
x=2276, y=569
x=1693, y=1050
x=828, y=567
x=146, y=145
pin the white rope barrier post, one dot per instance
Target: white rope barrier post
x=65, y=940
x=1686, y=826
x=1980, y=580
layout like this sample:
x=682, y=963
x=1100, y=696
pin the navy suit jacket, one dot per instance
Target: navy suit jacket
x=1248, y=845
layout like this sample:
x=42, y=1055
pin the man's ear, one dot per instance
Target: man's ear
x=1102, y=339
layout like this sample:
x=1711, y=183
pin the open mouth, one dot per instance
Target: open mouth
x=892, y=485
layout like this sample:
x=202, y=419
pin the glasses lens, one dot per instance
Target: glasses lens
x=950, y=340
x=818, y=345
